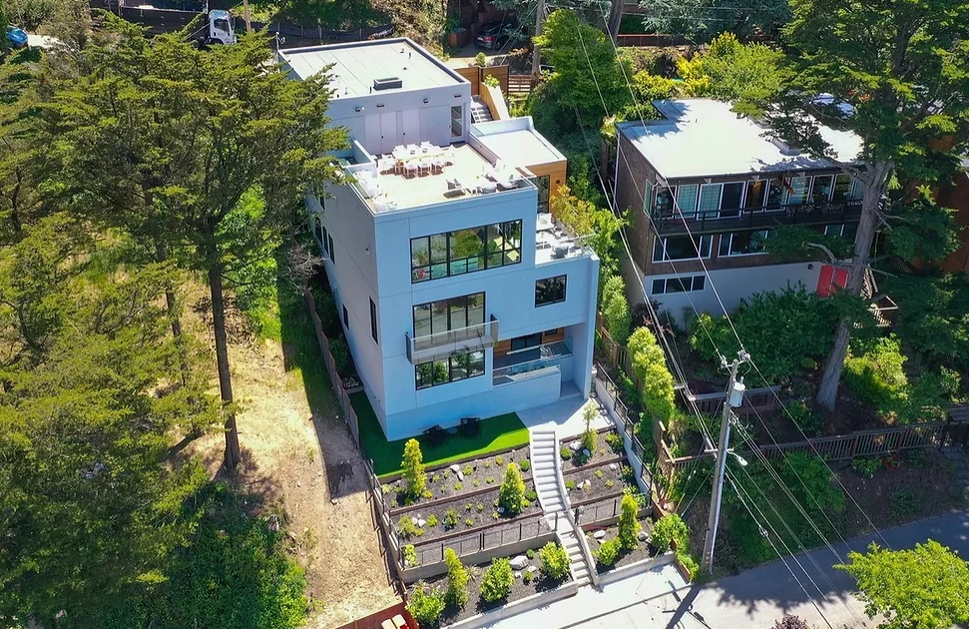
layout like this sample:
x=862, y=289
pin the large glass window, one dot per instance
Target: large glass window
x=798, y=192
x=544, y=185
x=775, y=194
x=459, y=366
x=686, y=197
x=742, y=243
x=678, y=285
x=709, y=200
x=448, y=314
x=845, y=189
x=730, y=199
x=821, y=189
x=457, y=121
x=550, y=290
x=664, y=202
x=681, y=248
x=756, y=191
x=465, y=251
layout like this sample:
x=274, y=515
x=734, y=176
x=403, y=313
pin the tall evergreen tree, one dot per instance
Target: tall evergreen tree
x=164, y=140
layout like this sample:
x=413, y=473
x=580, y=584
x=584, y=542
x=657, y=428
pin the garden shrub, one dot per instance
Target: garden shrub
x=688, y=562
x=524, y=465
x=497, y=580
x=410, y=554
x=615, y=443
x=450, y=519
x=415, y=480
x=589, y=412
x=807, y=420
x=615, y=309
x=628, y=524
x=566, y=453
x=649, y=365
x=406, y=528
x=669, y=528
x=425, y=604
x=530, y=553
x=341, y=355
x=491, y=81
x=456, y=594
x=555, y=561
x=511, y=494
x=904, y=502
x=608, y=552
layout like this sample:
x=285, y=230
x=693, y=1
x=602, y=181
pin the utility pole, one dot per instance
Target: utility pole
x=536, y=55
x=615, y=18
x=735, y=398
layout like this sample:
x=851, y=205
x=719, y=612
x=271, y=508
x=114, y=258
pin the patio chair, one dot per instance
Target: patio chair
x=470, y=426
x=435, y=436
x=437, y=165
x=425, y=166
x=410, y=169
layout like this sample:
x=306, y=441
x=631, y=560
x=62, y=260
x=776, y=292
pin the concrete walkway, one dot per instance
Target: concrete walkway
x=564, y=416
x=756, y=598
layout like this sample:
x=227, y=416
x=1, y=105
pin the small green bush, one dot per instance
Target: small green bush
x=628, y=524
x=469, y=522
x=808, y=421
x=526, y=577
x=456, y=594
x=610, y=483
x=425, y=604
x=530, y=553
x=608, y=552
x=614, y=441
x=524, y=465
x=410, y=554
x=497, y=580
x=499, y=460
x=468, y=470
x=688, y=562
x=406, y=528
x=412, y=464
x=492, y=81
x=670, y=528
x=866, y=466
x=598, y=473
x=458, y=486
x=341, y=356
x=904, y=502
x=530, y=495
x=511, y=494
x=432, y=520
x=450, y=519
x=555, y=561
x=569, y=485
x=481, y=60
x=565, y=453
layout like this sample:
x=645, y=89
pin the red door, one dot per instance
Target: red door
x=830, y=278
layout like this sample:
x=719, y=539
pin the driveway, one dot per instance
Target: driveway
x=756, y=598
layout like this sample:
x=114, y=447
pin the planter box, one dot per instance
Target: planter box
x=517, y=607
x=617, y=574
x=459, y=38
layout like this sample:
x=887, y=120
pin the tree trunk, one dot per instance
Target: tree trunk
x=874, y=191
x=615, y=19
x=161, y=255
x=232, y=452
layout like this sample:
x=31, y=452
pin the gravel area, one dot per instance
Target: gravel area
x=603, y=452
x=445, y=482
x=474, y=606
x=589, y=483
x=469, y=512
x=642, y=551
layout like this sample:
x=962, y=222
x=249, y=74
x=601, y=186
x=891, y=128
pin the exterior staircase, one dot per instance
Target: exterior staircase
x=480, y=111
x=550, y=487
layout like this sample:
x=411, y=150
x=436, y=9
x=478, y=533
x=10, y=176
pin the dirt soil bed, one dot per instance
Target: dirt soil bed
x=433, y=552
x=602, y=452
x=519, y=590
x=917, y=489
x=298, y=455
x=642, y=551
x=603, y=480
x=443, y=482
x=479, y=510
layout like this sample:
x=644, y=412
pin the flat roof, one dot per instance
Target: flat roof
x=515, y=141
x=702, y=137
x=357, y=65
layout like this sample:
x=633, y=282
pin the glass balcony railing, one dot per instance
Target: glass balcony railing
x=530, y=363
x=472, y=338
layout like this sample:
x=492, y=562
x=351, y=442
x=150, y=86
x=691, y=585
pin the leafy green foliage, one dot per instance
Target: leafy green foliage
x=649, y=365
x=511, y=494
x=456, y=594
x=628, y=524
x=904, y=502
x=922, y=230
x=615, y=442
x=425, y=604
x=878, y=378
x=608, y=552
x=796, y=243
x=865, y=466
x=790, y=621
x=780, y=329
x=589, y=435
x=409, y=554
x=701, y=20
x=925, y=587
x=497, y=580
x=450, y=519
x=584, y=217
x=554, y=560
x=412, y=466
x=669, y=528
x=587, y=71
x=524, y=465
x=731, y=71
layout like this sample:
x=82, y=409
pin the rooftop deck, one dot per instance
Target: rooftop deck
x=387, y=186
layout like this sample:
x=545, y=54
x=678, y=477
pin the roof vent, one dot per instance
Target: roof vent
x=388, y=83
x=786, y=149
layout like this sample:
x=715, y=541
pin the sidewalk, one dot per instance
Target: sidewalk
x=631, y=595
x=756, y=598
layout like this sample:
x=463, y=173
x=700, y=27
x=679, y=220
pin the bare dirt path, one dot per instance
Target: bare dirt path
x=299, y=456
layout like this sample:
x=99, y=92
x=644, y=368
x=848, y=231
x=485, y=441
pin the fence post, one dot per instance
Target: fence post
x=481, y=541
x=615, y=504
x=520, y=523
x=556, y=520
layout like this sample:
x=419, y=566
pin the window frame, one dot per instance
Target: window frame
x=693, y=279
x=730, y=254
x=704, y=238
x=474, y=366
x=457, y=123
x=556, y=299
x=448, y=308
x=510, y=252
x=373, y=321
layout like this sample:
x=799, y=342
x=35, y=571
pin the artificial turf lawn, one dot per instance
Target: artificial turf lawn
x=497, y=433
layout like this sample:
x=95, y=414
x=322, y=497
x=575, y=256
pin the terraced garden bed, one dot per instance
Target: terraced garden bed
x=573, y=456
x=432, y=551
x=642, y=551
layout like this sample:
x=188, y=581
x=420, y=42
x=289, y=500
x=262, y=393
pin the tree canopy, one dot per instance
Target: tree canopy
x=922, y=588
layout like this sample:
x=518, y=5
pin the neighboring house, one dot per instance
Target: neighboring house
x=458, y=296
x=733, y=185
x=956, y=196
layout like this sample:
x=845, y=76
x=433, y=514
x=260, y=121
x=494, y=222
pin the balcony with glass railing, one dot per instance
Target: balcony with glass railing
x=530, y=363
x=472, y=338
x=670, y=221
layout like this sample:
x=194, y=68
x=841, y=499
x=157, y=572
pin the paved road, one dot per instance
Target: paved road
x=756, y=598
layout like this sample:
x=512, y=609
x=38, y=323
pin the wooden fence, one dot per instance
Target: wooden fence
x=349, y=415
x=373, y=621
x=476, y=76
x=520, y=84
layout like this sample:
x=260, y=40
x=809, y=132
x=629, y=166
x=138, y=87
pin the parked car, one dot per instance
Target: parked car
x=494, y=35
x=16, y=37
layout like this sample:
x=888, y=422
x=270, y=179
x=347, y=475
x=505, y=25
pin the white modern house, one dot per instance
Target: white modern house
x=458, y=297
x=707, y=187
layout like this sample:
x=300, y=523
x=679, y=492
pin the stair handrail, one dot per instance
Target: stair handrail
x=580, y=536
